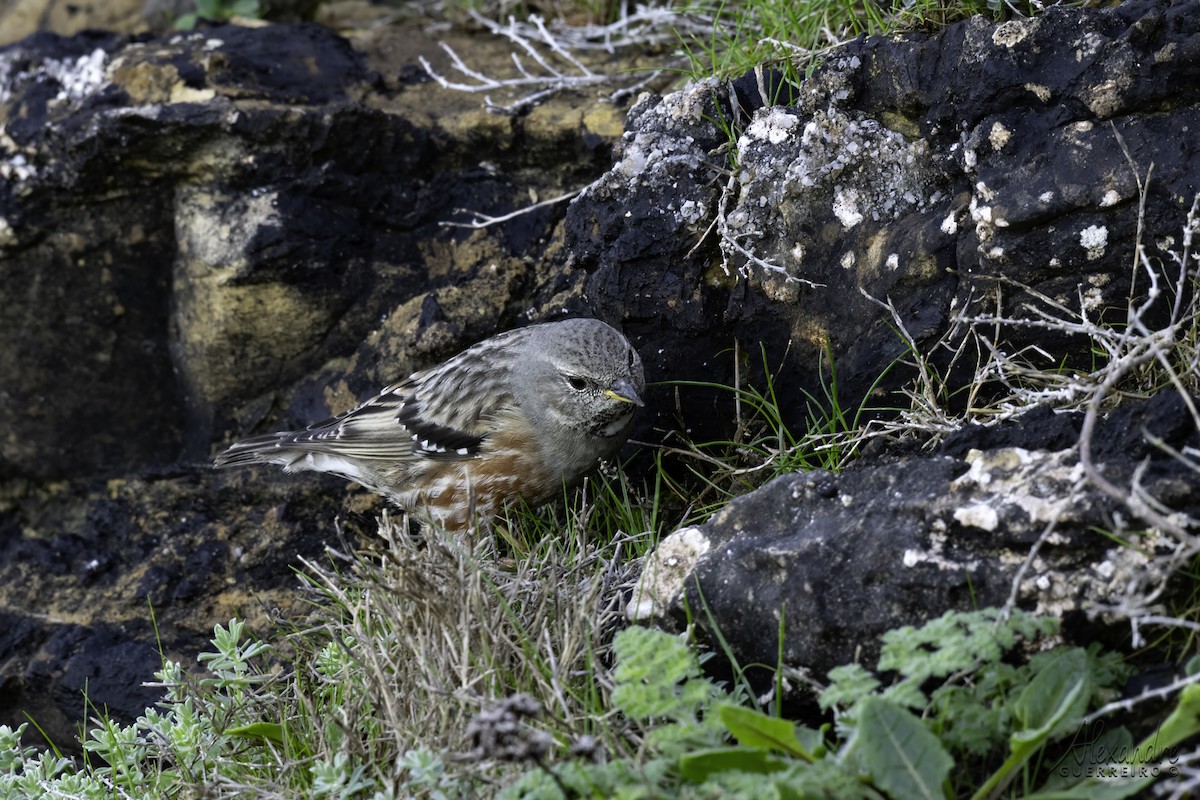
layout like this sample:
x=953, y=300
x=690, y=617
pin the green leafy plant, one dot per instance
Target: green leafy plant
x=219, y=11
x=902, y=739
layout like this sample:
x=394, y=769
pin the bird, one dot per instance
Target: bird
x=524, y=414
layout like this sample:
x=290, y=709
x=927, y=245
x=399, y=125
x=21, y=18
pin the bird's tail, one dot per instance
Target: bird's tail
x=272, y=448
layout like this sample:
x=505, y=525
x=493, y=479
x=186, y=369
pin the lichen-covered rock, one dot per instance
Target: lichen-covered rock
x=834, y=561
x=939, y=173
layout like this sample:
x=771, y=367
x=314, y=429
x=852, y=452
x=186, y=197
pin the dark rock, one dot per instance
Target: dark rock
x=837, y=561
x=1040, y=427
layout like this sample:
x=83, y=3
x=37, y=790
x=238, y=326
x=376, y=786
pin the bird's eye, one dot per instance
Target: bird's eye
x=577, y=383
x=632, y=357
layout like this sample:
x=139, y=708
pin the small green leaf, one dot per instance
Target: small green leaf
x=272, y=731
x=658, y=676
x=1055, y=699
x=848, y=684
x=1183, y=723
x=246, y=8
x=1192, y=666
x=813, y=740
x=698, y=765
x=757, y=730
x=903, y=757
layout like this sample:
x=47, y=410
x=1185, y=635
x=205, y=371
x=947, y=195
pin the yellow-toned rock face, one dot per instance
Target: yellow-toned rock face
x=20, y=18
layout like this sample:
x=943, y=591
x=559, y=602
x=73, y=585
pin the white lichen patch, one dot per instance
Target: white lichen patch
x=1091, y=299
x=837, y=152
x=1089, y=45
x=76, y=77
x=982, y=463
x=654, y=148
x=800, y=174
x=980, y=212
x=892, y=262
x=1046, y=197
x=645, y=154
x=774, y=125
x=999, y=135
x=934, y=555
x=1010, y=34
x=691, y=104
x=950, y=224
x=692, y=212
x=16, y=168
x=207, y=235
x=978, y=515
x=7, y=236
x=981, y=215
x=1037, y=484
x=1107, y=578
x=666, y=569
x=1094, y=239
x=1105, y=98
x=1110, y=198
x=845, y=207
x=847, y=260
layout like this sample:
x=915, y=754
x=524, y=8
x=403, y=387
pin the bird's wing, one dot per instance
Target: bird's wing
x=402, y=423
x=441, y=413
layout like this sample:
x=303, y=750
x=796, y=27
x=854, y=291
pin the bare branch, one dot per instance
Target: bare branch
x=482, y=220
x=537, y=48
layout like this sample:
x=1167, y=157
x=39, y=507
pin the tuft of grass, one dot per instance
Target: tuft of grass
x=744, y=34
x=737, y=36
x=763, y=444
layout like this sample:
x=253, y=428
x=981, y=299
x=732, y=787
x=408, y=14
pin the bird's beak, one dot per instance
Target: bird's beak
x=623, y=390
